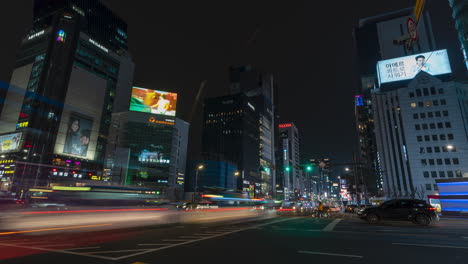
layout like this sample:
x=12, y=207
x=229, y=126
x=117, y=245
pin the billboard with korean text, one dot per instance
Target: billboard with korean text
x=405, y=68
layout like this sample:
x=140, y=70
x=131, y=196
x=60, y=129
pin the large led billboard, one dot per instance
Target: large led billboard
x=405, y=68
x=153, y=101
x=10, y=142
x=78, y=135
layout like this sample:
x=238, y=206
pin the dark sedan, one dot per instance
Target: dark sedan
x=417, y=211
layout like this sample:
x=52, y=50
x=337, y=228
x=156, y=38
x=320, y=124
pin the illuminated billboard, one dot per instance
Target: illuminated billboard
x=405, y=68
x=153, y=101
x=78, y=135
x=10, y=142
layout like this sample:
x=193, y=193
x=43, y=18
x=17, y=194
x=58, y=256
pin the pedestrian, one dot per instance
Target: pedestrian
x=320, y=209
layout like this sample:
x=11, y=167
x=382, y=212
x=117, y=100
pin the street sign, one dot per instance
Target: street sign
x=322, y=164
x=418, y=9
x=412, y=29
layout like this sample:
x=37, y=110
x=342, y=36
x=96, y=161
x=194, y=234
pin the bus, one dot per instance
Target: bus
x=93, y=196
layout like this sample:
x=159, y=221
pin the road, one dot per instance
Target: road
x=340, y=239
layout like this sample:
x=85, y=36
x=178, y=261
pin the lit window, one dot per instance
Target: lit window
x=413, y=105
x=428, y=103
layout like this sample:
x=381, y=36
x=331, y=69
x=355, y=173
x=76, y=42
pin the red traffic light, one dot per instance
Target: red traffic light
x=54, y=169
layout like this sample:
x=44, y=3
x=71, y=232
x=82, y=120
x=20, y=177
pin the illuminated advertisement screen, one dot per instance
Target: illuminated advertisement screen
x=152, y=157
x=10, y=142
x=405, y=68
x=78, y=135
x=153, y=101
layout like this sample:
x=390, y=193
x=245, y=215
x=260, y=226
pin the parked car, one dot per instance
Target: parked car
x=417, y=211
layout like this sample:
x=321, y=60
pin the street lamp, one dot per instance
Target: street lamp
x=347, y=169
x=236, y=173
x=199, y=167
x=449, y=147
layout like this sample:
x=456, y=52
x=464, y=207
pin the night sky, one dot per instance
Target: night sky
x=307, y=45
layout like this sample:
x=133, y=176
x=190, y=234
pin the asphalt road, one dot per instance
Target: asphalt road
x=341, y=239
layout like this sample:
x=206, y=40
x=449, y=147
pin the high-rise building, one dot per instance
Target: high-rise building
x=230, y=133
x=321, y=177
x=460, y=15
x=259, y=88
x=291, y=167
x=58, y=108
x=421, y=131
x=383, y=37
x=150, y=152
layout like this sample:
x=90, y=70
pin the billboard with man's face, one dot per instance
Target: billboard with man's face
x=405, y=68
x=10, y=142
x=78, y=135
x=153, y=101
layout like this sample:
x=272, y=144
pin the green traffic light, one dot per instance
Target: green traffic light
x=309, y=168
x=287, y=169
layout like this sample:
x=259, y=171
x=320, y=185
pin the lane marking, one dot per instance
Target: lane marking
x=175, y=240
x=385, y=234
x=215, y=233
x=13, y=241
x=286, y=228
x=81, y=248
x=50, y=229
x=331, y=225
x=60, y=251
x=330, y=254
x=57, y=245
x=113, y=251
x=189, y=236
x=154, y=244
x=422, y=245
x=313, y=230
x=201, y=239
x=30, y=243
x=95, y=211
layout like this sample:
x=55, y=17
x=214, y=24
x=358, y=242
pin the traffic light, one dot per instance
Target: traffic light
x=309, y=168
x=287, y=168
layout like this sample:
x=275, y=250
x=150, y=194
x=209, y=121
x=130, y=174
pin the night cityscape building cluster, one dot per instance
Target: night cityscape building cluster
x=72, y=116
x=179, y=131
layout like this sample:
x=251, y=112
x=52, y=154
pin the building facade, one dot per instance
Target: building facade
x=460, y=15
x=421, y=131
x=377, y=38
x=230, y=133
x=216, y=174
x=291, y=167
x=149, y=153
x=259, y=88
x=63, y=91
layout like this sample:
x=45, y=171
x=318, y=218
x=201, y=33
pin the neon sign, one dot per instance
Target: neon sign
x=61, y=35
x=285, y=125
x=359, y=100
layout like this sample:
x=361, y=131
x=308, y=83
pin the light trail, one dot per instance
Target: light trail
x=50, y=229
